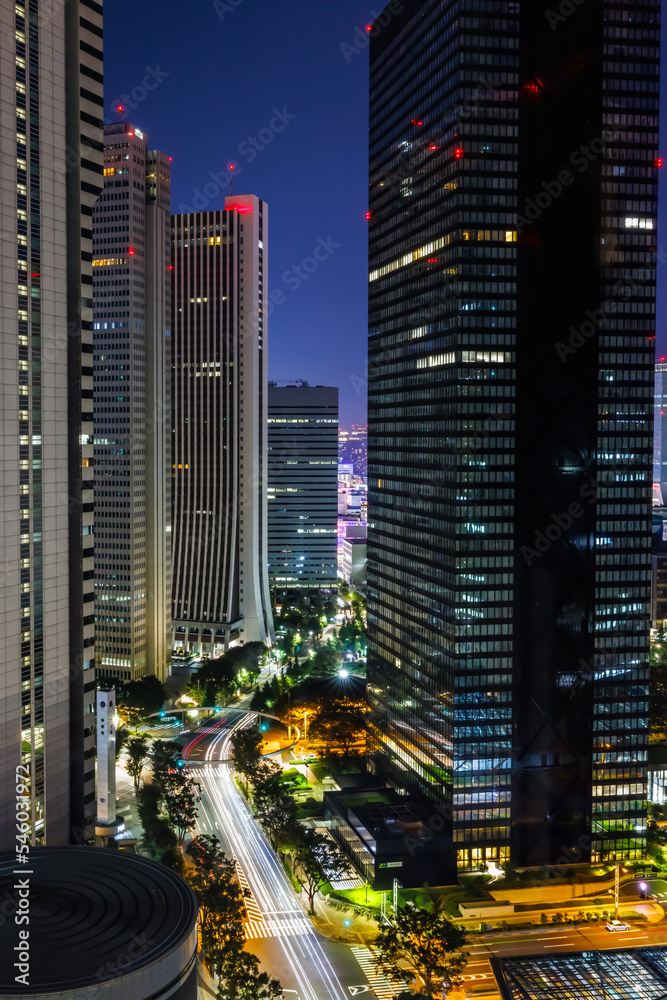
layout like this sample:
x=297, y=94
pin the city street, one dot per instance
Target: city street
x=309, y=966
x=312, y=967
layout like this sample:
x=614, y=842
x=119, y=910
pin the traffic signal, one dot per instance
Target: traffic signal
x=264, y=727
x=180, y=763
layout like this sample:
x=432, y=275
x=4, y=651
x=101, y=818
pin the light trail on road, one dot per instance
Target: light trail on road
x=225, y=810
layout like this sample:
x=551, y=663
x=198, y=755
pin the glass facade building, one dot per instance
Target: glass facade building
x=302, y=486
x=660, y=433
x=513, y=186
x=132, y=386
x=51, y=154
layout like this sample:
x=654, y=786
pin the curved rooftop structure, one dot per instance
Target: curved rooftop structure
x=102, y=924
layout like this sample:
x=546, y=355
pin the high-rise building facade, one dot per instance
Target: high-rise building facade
x=132, y=384
x=353, y=446
x=513, y=184
x=303, y=486
x=660, y=433
x=219, y=391
x=51, y=150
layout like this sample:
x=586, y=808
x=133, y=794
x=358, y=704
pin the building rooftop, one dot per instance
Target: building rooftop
x=95, y=914
x=588, y=975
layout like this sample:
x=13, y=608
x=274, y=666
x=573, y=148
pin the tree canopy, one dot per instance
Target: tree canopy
x=136, y=700
x=428, y=943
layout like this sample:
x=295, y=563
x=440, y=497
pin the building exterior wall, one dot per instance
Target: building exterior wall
x=509, y=472
x=50, y=100
x=132, y=408
x=219, y=406
x=353, y=560
x=303, y=486
x=660, y=431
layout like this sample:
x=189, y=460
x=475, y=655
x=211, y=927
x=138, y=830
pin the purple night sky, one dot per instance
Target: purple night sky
x=224, y=77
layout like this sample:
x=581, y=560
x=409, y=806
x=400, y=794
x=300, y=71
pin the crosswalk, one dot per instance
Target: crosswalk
x=277, y=927
x=260, y=925
x=382, y=988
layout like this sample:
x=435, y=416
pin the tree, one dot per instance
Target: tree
x=137, y=756
x=341, y=727
x=246, y=752
x=159, y=840
x=241, y=979
x=428, y=943
x=140, y=698
x=325, y=662
x=274, y=804
x=214, y=882
x=165, y=755
x=180, y=798
x=319, y=861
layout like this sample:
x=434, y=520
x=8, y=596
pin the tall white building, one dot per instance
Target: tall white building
x=51, y=167
x=220, y=582
x=132, y=304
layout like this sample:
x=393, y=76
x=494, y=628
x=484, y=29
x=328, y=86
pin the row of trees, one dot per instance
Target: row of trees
x=168, y=805
x=214, y=880
x=313, y=858
x=223, y=676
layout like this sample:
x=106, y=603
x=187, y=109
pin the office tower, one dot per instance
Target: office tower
x=132, y=307
x=221, y=590
x=512, y=287
x=352, y=449
x=52, y=170
x=303, y=485
x=660, y=433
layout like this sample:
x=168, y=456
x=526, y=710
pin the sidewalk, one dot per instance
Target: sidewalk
x=330, y=922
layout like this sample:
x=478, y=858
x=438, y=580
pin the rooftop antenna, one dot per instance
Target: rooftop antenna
x=231, y=179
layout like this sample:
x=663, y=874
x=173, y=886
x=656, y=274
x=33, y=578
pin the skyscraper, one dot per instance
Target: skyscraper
x=132, y=306
x=51, y=153
x=513, y=188
x=221, y=590
x=303, y=485
x=660, y=433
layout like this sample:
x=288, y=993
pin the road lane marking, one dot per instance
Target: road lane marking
x=382, y=988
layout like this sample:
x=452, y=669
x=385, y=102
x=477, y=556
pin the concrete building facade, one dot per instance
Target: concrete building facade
x=220, y=583
x=51, y=155
x=132, y=385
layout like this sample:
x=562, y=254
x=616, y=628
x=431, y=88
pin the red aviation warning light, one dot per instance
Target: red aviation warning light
x=369, y=27
x=131, y=251
x=120, y=109
x=458, y=153
x=415, y=122
x=658, y=163
x=130, y=134
x=368, y=215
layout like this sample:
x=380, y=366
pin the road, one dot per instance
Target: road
x=309, y=966
x=480, y=981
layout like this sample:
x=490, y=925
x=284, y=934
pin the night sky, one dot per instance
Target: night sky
x=217, y=73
